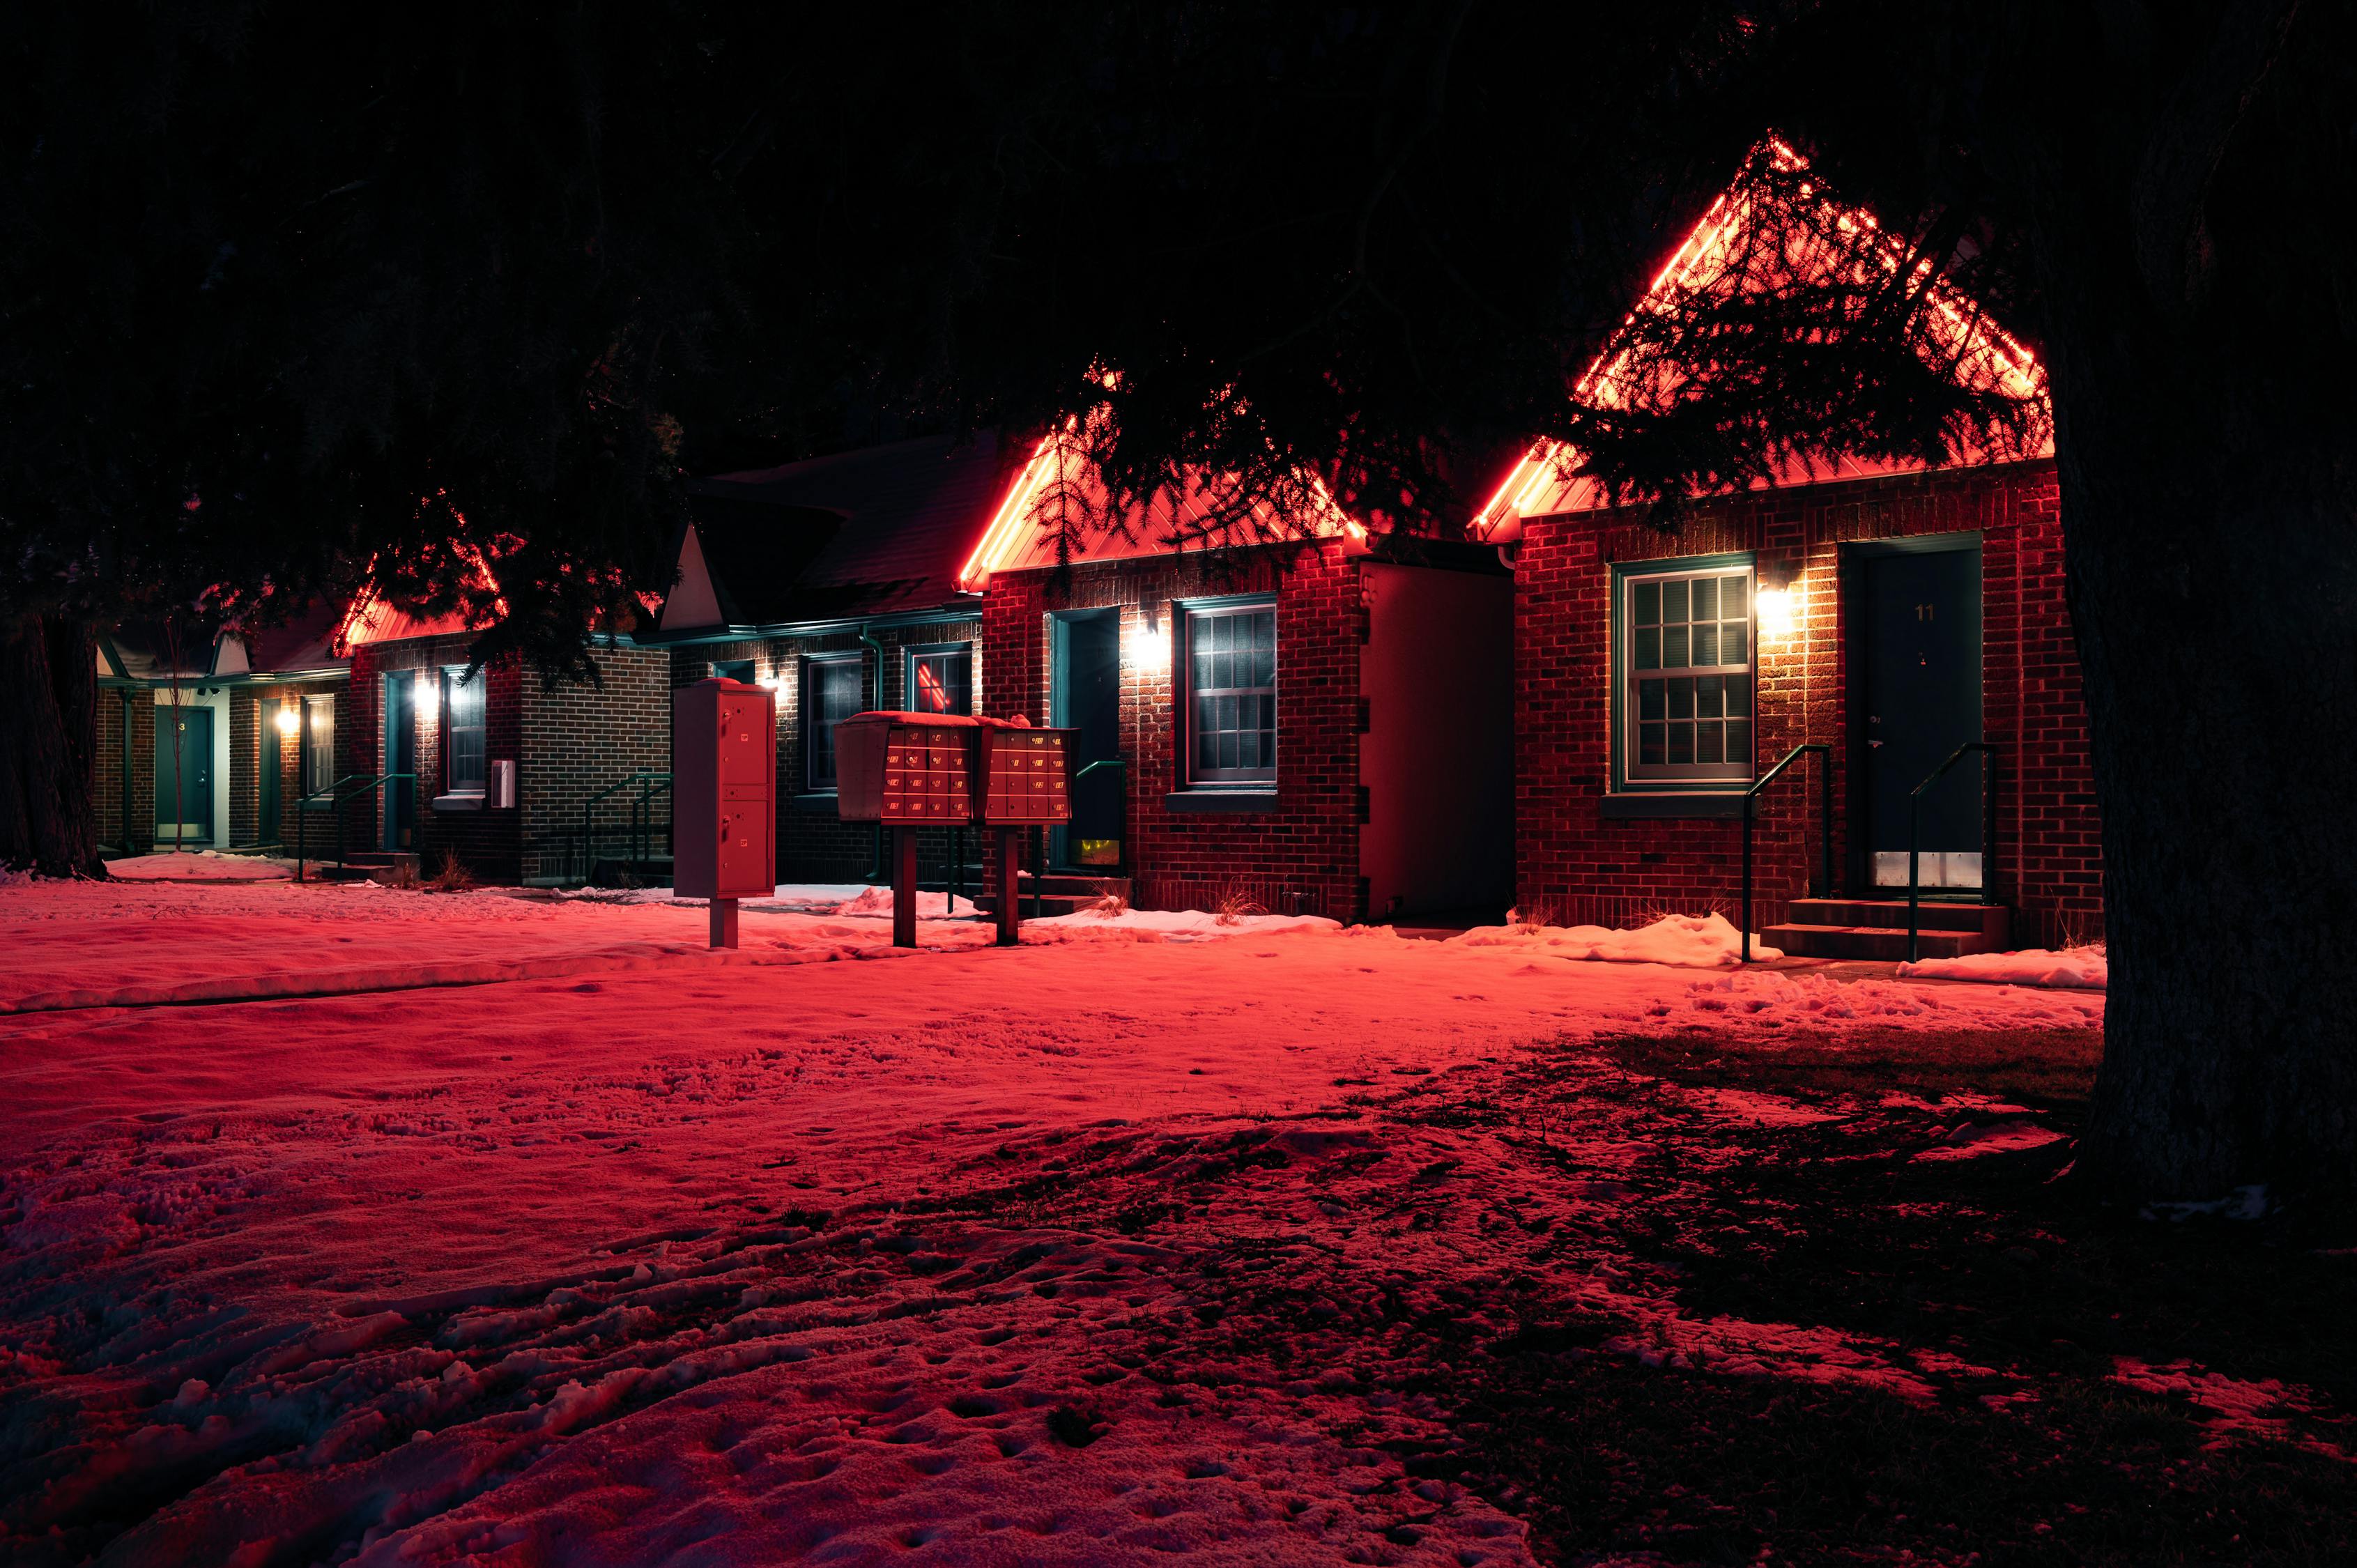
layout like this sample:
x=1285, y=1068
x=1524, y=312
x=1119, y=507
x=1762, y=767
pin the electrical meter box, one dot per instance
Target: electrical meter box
x=909, y=769
x=724, y=741
x=1027, y=775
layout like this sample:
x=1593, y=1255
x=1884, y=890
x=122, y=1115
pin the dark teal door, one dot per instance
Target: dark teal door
x=400, y=756
x=1086, y=688
x=1918, y=696
x=184, y=774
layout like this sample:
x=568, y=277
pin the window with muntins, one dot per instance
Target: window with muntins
x=1231, y=694
x=1686, y=703
x=832, y=693
x=318, y=767
x=462, y=732
x=940, y=679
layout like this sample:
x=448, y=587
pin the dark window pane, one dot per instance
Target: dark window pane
x=1710, y=696
x=1674, y=601
x=1681, y=744
x=1730, y=598
x=1739, y=740
x=1649, y=648
x=1674, y=648
x=1705, y=598
x=1709, y=741
x=1733, y=638
x=1706, y=644
x=1649, y=699
x=1681, y=698
x=1650, y=744
x=1649, y=604
x=1739, y=697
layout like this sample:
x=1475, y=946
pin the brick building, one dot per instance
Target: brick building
x=517, y=780
x=255, y=714
x=833, y=582
x=1893, y=616
x=1314, y=725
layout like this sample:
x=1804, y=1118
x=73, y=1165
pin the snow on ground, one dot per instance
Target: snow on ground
x=1093, y=1250
x=2079, y=968
x=197, y=865
x=1700, y=941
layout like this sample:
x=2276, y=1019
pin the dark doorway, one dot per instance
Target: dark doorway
x=400, y=816
x=1085, y=692
x=184, y=776
x=1916, y=695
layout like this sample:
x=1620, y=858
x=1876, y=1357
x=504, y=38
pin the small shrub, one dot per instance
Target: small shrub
x=400, y=874
x=1236, y=905
x=1111, y=906
x=451, y=876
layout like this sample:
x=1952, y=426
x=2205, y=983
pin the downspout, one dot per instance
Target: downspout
x=875, y=871
x=128, y=848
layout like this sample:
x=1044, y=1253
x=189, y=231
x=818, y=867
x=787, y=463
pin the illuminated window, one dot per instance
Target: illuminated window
x=462, y=732
x=1231, y=694
x=1686, y=700
x=832, y=690
x=319, y=757
x=940, y=679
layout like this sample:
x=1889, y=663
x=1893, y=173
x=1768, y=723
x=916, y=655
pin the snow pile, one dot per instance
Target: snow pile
x=197, y=865
x=1183, y=925
x=1688, y=942
x=1974, y=1139
x=930, y=905
x=2080, y=969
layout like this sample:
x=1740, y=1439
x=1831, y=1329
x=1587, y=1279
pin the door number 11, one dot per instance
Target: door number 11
x=1927, y=612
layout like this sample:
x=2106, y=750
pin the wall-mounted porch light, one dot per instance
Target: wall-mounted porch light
x=289, y=720
x=1774, y=597
x=429, y=693
x=1145, y=646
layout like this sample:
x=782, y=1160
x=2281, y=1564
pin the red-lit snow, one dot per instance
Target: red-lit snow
x=524, y=1228
x=197, y=865
x=2087, y=968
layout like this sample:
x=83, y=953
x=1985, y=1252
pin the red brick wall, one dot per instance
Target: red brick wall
x=1576, y=865
x=1305, y=850
x=486, y=842
x=109, y=782
x=579, y=739
x=814, y=844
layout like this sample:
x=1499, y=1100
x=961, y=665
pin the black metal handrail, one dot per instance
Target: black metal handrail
x=1915, y=834
x=1088, y=768
x=1825, y=833
x=650, y=782
x=341, y=793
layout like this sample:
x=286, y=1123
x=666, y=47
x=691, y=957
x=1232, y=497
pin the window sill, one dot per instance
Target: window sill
x=1238, y=802
x=817, y=802
x=1719, y=803
x=457, y=802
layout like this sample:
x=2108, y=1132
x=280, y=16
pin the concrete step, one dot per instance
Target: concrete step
x=1049, y=903
x=1879, y=942
x=1993, y=923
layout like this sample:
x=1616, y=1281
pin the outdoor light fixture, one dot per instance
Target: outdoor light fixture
x=1144, y=648
x=1772, y=596
x=289, y=721
x=428, y=693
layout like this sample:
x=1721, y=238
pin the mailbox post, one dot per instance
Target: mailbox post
x=724, y=797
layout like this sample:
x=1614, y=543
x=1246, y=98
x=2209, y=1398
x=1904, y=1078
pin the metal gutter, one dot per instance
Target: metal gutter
x=859, y=624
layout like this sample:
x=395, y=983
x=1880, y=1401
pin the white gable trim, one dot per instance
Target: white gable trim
x=693, y=601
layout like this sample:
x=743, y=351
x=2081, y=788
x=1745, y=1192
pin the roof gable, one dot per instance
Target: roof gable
x=1724, y=251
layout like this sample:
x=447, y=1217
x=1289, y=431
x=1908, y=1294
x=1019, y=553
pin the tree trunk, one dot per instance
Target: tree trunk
x=48, y=730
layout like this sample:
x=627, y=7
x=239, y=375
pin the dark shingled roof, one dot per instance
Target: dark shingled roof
x=879, y=531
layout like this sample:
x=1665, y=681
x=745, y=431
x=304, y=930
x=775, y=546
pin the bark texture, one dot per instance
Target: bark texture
x=49, y=726
x=2199, y=342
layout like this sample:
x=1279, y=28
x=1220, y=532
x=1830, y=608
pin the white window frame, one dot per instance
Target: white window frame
x=454, y=680
x=1261, y=777
x=1690, y=696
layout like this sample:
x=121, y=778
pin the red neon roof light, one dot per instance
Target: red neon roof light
x=1983, y=352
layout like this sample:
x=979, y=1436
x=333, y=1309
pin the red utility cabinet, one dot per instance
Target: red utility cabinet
x=724, y=738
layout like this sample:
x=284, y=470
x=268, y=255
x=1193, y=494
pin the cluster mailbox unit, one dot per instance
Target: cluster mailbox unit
x=948, y=770
x=724, y=736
